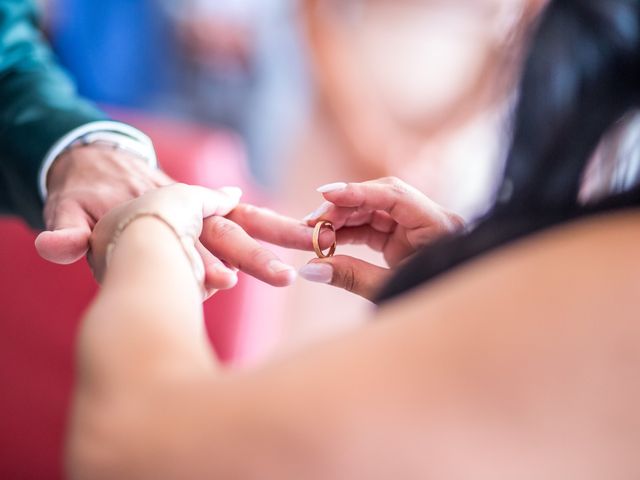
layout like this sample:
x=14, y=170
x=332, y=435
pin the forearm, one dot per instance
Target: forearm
x=147, y=320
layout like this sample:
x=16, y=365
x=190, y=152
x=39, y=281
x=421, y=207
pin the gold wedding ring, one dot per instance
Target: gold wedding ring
x=316, y=239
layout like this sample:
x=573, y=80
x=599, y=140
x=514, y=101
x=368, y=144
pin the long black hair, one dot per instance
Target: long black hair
x=581, y=75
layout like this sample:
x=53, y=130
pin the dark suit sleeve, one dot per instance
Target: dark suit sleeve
x=38, y=105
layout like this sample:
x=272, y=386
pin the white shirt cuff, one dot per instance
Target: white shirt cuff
x=114, y=128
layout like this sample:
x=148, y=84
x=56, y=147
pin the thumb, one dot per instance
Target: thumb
x=356, y=276
x=68, y=239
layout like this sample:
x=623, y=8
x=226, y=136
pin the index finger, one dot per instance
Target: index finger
x=228, y=242
x=405, y=204
x=269, y=226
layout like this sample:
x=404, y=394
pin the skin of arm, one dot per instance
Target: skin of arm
x=522, y=364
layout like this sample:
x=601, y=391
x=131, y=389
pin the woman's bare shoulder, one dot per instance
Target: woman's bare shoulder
x=598, y=256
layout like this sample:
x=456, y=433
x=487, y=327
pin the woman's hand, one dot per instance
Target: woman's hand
x=183, y=208
x=389, y=216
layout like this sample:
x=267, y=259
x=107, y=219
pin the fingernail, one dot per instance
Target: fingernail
x=276, y=266
x=332, y=187
x=230, y=276
x=317, y=272
x=235, y=192
x=321, y=210
x=225, y=270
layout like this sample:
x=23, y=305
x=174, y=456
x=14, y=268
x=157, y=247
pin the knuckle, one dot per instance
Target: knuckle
x=398, y=186
x=259, y=255
x=159, y=179
x=107, y=194
x=60, y=201
x=105, y=199
x=348, y=279
x=220, y=229
x=137, y=188
x=249, y=209
x=390, y=180
x=178, y=187
x=244, y=212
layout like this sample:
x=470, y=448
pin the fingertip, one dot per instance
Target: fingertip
x=64, y=246
x=289, y=277
x=345, y=199
x=234, y=192
x=219, y=201
x=219, y=277
x=233, y=196
x=41, y=244
x=332, y=187
x=341, y=196
x=228, y=281
x=316, y=214
x=282, y=274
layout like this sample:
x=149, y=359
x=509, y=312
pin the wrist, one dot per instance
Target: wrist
x=74, y=157
x=143, y=226
x=116, y=135
x=90, y=156
x=119, y=142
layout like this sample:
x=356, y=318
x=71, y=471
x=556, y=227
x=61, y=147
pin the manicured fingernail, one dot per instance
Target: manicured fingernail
x=321, y=210
x=235, y=192
x=317, y=272
x=332, y=187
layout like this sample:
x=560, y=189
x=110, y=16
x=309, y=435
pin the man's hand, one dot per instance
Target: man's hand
x=85, y=183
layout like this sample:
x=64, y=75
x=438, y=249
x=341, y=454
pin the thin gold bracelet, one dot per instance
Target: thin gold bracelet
x=186, y=242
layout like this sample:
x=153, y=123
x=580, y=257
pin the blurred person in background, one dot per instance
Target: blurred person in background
x=233, y=64
x=424, y=89
x=121, y=53
x=421, y=89
x=246, y=71
x=505, y=351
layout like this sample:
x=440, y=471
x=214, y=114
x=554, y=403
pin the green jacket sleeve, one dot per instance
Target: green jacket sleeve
x=38, y=105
